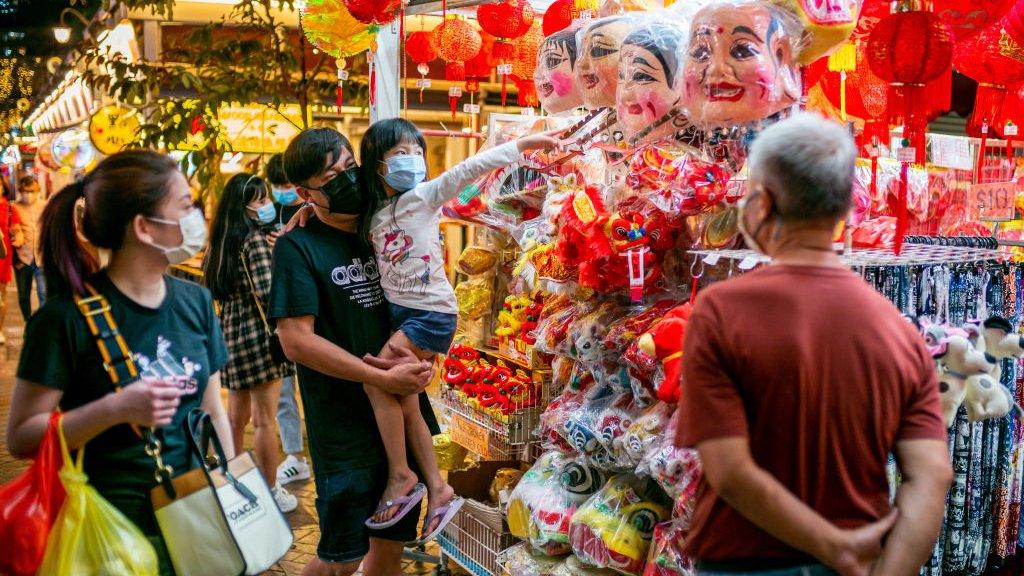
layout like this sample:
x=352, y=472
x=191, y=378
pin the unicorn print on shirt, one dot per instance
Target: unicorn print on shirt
x=403, y=270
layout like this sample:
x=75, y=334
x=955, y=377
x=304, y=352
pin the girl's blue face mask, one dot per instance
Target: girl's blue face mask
x=265, y=214
x=405, y=172
x=285, y=196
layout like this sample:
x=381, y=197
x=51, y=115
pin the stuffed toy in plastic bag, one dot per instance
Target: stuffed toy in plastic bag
x=527, y=493
x=520, y=560
x=677, y=470
x=666, y=557
x=615, y=527
x=553, y=510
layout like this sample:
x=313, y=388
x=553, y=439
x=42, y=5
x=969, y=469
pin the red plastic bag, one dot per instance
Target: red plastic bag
x=28, y=506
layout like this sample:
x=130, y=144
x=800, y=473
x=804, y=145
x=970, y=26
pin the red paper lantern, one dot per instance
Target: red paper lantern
x=481, y=65
x=561, y=14
x=871, y=13
x=420, y=48
x=457, y=42
x=994, y=60
x=378, y=12
x=506, y=22
x=908, y=50
x=525, y=63
x=1013, y=23
x=969, y=17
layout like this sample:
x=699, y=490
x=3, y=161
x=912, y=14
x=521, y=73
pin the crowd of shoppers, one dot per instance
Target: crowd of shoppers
x=794, y=427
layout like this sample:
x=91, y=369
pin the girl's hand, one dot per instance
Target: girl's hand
x=150, y=402
x=299, y=219
x=542, y=141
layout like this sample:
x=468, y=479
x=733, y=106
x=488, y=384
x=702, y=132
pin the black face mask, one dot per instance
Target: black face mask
x=346, y=193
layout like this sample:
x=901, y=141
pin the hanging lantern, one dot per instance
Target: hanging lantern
x=378, y=12
x=562, y=13
x=481, y=65
x=457, y=42
x=506, y=21
x=525, y=64
x=419, y=46
x=330, y=28
x=969, y=17
x=994, y=61
x=908, y=50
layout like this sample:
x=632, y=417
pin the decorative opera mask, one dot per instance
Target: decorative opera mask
x=554, y=76
x=597, y=69
x=649, y=66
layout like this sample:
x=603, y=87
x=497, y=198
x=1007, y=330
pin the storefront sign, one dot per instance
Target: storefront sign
x=470, y=435
x=992, y=202
x=258, y=129
x=113, y=128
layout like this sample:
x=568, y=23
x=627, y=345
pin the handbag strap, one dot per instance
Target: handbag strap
x=119, y=365
x=255, y=295
x=202, y=434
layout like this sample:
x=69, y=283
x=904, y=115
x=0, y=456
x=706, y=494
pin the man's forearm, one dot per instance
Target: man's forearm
x=766, y=502
x=921, y=505
x=319, y=354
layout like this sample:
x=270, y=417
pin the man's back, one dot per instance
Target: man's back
x=823, y=376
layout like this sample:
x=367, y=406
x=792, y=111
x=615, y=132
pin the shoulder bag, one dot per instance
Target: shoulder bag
x=273, y=341
x=194, y=509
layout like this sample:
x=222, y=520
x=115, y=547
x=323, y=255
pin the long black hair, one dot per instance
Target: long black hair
x=380, y=138
x=231, y=228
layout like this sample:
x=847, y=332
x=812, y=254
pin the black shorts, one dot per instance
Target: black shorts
x=344, y=501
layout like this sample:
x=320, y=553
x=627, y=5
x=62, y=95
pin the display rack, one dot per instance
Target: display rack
x=911, y=255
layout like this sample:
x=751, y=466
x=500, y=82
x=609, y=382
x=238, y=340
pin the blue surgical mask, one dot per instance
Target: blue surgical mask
x=285, y=196
x=265, y=214
x=405, y=172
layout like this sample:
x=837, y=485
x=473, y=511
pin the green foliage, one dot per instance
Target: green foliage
x=247, y=58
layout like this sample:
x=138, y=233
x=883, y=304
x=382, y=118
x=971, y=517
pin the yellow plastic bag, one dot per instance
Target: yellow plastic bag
x=90, y=537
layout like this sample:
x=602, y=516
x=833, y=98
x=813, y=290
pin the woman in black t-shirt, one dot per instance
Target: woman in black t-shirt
x=138, y=205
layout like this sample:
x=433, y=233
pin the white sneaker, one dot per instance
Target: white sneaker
x=292, y=470
x=285, y=500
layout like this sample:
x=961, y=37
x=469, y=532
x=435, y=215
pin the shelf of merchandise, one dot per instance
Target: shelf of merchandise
x=911, y=255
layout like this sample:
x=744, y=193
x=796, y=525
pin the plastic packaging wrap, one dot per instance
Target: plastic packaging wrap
x=623, y=333
x=553, y=330
x=678, y=180
x=599, y=426
x=642, y=435
x=741, y=65
x=555, y=506
x=615, y=527
x=574, y=567
x=677, y=470
x=520, y=560
x=555, y=76
x=527, y=493
x=554, y=418
x=666, y=557
x=597, y=67
x=647, y=101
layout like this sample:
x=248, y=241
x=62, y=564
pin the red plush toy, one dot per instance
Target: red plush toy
x=665, y=342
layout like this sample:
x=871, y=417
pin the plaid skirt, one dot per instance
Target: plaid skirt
x=249, y=364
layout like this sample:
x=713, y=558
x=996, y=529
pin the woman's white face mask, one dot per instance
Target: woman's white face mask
x=193, y=236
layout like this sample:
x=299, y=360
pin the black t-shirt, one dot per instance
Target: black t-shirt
x=182, y=336
x=329, y=274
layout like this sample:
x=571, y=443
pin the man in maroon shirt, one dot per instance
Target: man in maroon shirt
x=799, y=380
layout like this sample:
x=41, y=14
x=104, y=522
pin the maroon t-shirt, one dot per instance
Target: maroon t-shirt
x=823, y=376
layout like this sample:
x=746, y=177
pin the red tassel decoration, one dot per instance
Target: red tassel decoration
x=981, y=150
x=901, y=210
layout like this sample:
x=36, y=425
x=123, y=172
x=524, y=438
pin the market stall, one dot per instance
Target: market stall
x=575, y=289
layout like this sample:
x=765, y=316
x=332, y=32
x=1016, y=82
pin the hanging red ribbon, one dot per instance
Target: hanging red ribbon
x=901, y=210
x=874, y=175
x=981, y=150
x=693, y=290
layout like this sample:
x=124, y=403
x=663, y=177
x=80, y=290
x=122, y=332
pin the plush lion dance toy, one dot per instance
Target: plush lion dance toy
x=665, y=342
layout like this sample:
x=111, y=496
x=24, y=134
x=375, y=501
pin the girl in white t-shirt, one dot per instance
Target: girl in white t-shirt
x=404, y=230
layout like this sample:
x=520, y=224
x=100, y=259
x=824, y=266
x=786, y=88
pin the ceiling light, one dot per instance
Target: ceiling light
x=62, y=34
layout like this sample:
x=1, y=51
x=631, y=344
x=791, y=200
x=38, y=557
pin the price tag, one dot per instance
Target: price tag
x=342, y=75
x=712, y=259
x=906, y=154
x=471, y=108
x=528, y=112
x=747, y=263
x=992, y=202
x=951, y=151
x=455, y=92
x=470, y=435
x=505, y=69
x=1010, y=130
x=423, y=83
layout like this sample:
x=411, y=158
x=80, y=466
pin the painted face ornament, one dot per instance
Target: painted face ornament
x=740, y=66
x=597, y=69
x=649, y=66
x=554, y=76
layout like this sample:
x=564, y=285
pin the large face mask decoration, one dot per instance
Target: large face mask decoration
x=597, y=70
x=554, y=77
x=648, y=69
x=740, y=66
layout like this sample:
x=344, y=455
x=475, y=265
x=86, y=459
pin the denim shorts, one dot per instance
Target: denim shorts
x=429, y=331
x=344, y=501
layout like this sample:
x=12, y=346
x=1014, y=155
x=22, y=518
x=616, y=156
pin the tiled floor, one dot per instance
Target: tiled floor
x=303, y=520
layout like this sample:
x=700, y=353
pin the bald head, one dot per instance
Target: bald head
x=807, y=164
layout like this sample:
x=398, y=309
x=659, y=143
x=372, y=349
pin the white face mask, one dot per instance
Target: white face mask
x=193, y=237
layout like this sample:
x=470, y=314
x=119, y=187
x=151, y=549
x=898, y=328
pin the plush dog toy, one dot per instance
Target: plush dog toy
x=957, y=360
x=985, y=397
x=665, y=342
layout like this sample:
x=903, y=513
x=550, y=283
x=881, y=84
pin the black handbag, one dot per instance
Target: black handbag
x=273, y=341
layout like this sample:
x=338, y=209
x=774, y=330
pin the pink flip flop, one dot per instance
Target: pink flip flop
x=446, y=513
x=407, y=503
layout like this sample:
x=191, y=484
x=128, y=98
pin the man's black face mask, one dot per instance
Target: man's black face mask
x=345, y=193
